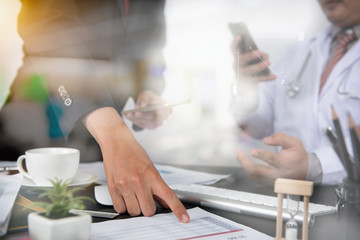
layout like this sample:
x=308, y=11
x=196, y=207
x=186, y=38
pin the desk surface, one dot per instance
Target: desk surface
x=345, y=226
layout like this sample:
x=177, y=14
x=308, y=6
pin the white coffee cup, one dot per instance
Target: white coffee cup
x=45, y=164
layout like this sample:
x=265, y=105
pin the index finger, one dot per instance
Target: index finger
x=168, y=196
x=258, y=172
x=265, y=78
x=266, y=156
x=281, y=139
x=247, y=58
x=148, y=97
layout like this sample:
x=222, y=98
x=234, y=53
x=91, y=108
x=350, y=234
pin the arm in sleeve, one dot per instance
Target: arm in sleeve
x=257, y=115
x=253, y=109
x=56, y=49
x=314, y=172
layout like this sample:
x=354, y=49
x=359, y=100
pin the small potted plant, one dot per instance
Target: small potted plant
x=56, y=222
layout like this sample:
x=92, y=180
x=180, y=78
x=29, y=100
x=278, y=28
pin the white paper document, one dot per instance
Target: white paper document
x=203, y=225
x=170, y=174
x=9, y=187
x=175, y=175
x=96, y=168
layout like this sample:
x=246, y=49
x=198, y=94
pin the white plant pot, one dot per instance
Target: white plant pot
x=73, y=227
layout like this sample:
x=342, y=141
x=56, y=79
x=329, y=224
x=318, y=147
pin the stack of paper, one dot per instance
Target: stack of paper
x=9, y=188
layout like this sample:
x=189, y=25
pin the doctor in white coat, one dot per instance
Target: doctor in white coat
x=291, y=110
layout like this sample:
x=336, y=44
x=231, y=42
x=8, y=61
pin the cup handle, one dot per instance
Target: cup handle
x=20, y=166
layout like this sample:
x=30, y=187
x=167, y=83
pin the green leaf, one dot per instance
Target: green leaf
x=61, y=199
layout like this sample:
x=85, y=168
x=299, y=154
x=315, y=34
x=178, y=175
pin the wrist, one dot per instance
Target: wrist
x=106, y=126
x=245, y=101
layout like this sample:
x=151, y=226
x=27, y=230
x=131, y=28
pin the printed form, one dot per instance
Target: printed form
x=203, y=225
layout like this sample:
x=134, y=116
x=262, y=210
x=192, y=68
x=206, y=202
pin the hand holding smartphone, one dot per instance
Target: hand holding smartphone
x=247, y=43
x=154, y=107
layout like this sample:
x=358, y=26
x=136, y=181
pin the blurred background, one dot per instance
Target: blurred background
x=198, y=67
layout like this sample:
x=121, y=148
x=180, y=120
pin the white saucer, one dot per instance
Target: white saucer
x=80, y=179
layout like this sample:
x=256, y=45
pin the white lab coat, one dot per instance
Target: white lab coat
x=307, y=114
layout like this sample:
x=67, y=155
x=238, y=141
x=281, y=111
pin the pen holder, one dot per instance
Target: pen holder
x=348, y=194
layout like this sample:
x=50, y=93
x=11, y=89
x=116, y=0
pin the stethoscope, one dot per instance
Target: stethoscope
x=294, y=87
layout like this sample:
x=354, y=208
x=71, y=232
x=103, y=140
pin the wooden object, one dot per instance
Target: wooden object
x=294, y=187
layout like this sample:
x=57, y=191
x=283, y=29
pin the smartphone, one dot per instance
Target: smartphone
x=247, y=43
x=154, y=107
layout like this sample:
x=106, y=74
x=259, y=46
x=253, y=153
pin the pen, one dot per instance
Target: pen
x=334, y=140
x=8, y=168
x=355, y=142
x=159, y=106
x=342, y=147
x=100, y=214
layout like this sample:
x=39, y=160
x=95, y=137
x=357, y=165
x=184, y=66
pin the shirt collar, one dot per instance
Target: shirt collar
x=334, y=30
x=357, y=31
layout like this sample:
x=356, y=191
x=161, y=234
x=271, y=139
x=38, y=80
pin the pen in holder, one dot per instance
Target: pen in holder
x=348, y=193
